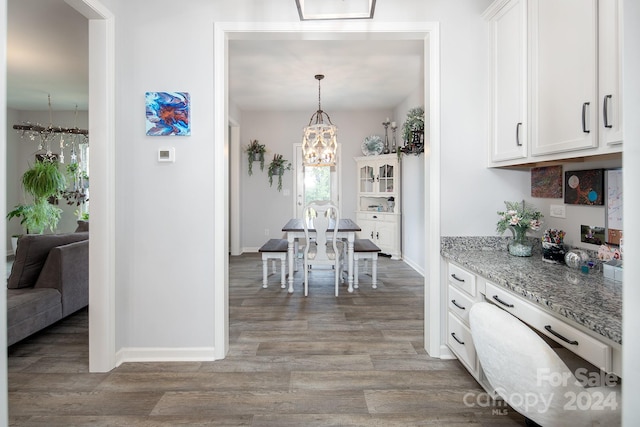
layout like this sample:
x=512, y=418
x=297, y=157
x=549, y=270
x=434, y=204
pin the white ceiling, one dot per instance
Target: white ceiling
x=47, y=54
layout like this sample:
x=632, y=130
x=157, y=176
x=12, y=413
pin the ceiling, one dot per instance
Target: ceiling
x=48, y=45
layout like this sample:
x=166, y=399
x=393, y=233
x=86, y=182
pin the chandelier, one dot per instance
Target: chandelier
x=319, y=143
x=46, y=135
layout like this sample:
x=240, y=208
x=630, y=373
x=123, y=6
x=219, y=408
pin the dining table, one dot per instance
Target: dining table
x=294, y=230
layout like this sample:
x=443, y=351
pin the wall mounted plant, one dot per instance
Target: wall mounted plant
x=255, y=152
x=277, y=167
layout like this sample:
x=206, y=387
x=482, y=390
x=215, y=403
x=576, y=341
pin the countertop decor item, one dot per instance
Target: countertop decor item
x=519, y=218
x=576, y=258
x=553, y=250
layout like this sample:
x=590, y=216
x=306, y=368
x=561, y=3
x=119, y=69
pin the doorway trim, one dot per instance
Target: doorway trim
x=429, y=32
x=102, y=335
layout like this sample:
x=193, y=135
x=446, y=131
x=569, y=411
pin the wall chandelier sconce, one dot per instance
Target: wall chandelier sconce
x=319, y=142
x=45, y=135
x=310, y=10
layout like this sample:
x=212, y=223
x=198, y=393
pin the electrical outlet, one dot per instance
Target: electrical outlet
x=557, y=211
x=266, y=231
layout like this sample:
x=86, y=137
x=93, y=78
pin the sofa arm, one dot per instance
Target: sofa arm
x=67, y=270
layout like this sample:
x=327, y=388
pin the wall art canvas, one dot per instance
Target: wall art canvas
x=168, y=113
x=546, y=182
x=584, y=187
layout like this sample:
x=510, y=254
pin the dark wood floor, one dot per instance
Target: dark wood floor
x=355, y=360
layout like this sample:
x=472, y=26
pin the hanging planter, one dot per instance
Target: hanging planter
x=255, y=152
x=277, y=167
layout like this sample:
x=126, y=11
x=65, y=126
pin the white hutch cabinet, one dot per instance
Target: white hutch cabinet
x=378, y=207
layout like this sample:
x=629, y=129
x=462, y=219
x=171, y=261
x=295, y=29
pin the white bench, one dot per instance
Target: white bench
x=273, y=250
x=367, y=250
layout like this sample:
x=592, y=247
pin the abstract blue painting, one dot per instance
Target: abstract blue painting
x=168, y=113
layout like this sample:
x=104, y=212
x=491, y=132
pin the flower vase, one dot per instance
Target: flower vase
x=520, y=245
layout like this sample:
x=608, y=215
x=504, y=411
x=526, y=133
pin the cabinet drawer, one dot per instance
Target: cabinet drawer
x=459, y=303
x=561, y=332
x=462, y=279
x=460, y=342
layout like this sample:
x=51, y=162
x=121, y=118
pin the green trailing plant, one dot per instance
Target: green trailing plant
x=41, y=181
x=255, y=151
x=414, y=122
x=277, y=167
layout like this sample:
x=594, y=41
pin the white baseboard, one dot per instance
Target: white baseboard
x=446, y=353
x=415, y=266
x=250, y=249
x=139, y=354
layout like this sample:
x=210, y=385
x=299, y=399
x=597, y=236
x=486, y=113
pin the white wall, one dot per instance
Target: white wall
x=264, y=207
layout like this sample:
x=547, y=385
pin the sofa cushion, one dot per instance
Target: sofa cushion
x=29, y=310
x=32, y=253
x=82, y=226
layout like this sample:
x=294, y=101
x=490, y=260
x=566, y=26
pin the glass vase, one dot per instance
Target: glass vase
x=520, y=245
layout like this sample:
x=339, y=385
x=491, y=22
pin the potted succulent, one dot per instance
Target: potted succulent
x=277, y=167
x=42, y=181
x=255, y=152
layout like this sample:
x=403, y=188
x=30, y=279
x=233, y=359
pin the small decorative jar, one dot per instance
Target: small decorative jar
x=576, y=258
x=553, y=252
x=520, y=245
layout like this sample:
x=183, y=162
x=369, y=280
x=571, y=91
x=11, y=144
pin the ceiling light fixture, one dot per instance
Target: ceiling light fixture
x=319, y=144
x=46, y=134
x=310, y=10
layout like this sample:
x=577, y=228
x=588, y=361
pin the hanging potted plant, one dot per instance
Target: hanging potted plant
x=42, y=181
x=277, y=167
x=255, y=152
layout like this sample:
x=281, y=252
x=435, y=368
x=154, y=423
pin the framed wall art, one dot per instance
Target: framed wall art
x=584, y=187
x=547, y=182
x=167, y=113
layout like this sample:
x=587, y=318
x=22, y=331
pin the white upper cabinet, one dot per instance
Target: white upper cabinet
x=508, y=133
x=610, y=70
x=555, y=80
x=564, y=67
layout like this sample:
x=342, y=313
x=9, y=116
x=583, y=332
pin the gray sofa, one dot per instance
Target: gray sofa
x=49, y=280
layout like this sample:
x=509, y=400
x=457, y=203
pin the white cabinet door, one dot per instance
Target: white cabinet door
x=610, y=71
x=508, y=128
x=563, y=37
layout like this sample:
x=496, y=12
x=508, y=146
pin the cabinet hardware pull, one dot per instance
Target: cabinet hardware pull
x=457, y=305
x=605, y=111
x=518, y=143
x=375, y=217
x=453, y=334
x=377, y=235
x=456, y=277
x=506, y=304
x=584, y=117
x=372, y=234
x=572, y=342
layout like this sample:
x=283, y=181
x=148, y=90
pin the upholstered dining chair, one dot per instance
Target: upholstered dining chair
x=530, y=376
x=324, y=248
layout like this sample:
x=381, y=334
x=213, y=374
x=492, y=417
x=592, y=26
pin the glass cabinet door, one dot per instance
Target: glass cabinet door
x=386, y=178
x=366, y=179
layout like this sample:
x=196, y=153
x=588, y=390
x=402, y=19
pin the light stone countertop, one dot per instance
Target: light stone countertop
x=587, y=299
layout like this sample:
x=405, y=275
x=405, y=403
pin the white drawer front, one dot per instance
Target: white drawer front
x=460, y=342
x=463, y=279
x=564, y=334
x=459, y=303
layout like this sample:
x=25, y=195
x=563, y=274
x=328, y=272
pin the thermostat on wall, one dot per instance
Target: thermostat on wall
x=167, y=154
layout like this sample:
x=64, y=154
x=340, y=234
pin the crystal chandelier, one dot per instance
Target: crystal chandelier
x=319, y=144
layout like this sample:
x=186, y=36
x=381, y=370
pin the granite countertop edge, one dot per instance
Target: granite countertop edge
x=548, y=285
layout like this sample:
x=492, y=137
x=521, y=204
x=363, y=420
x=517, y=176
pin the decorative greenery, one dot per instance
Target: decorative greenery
x=414, y=122
x=255, y=151
x=519, y=218
x=277, y=167
x=77, y=194
x=42, y=181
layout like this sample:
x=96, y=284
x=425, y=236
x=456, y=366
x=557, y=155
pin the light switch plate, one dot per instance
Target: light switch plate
x=557, y=211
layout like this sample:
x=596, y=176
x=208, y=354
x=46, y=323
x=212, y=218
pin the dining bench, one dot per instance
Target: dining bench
x=367, y=250
x=273, y=250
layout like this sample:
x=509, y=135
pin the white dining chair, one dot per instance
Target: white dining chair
x=528, y=374
x=324, y=248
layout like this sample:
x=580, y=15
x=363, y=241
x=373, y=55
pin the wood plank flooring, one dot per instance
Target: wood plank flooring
x=354, y=360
